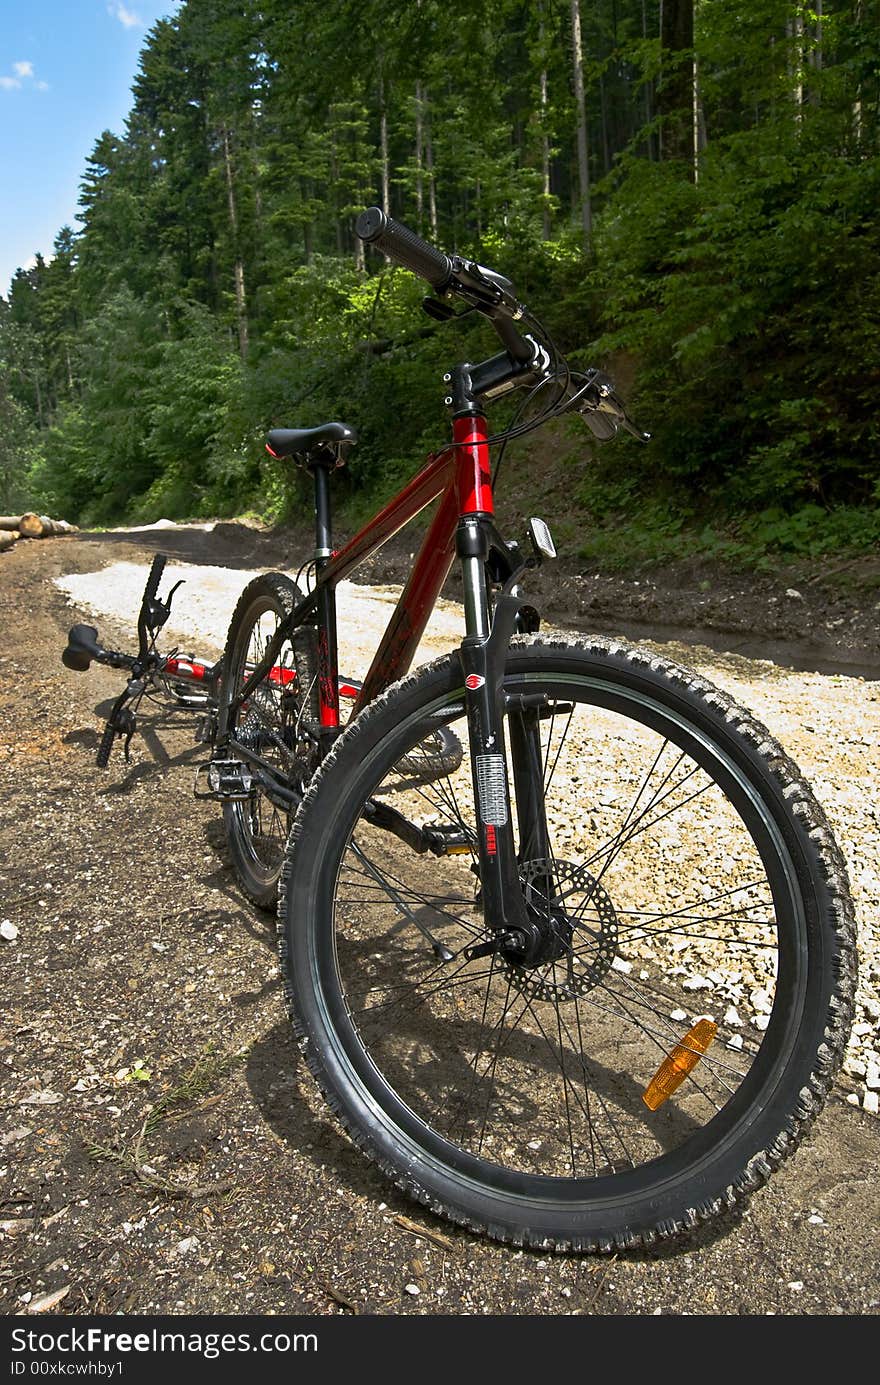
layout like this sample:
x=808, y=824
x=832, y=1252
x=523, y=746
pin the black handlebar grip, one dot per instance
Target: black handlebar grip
x=156, y=569
x=106, y=746
x=399, y=243
x=82, y=648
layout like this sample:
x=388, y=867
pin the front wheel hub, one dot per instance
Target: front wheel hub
x=574, y=932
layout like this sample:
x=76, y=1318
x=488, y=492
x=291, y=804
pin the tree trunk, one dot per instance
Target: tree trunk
x=648, y=87
x=857, y=104
x=606, y=147
x=581, y=115
x=39, y=397
x=8, y=537
x=545, y=160
x=334, y=180
x=238, y=266
x=816, y=52
x=308, y=229
x=675, y=94
x=794, y=33
x=32, y=526
x=383, y=149
x=432, y=191
x=420, y=191
x=697, y=125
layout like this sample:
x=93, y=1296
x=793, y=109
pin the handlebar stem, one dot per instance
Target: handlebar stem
x=472, y=385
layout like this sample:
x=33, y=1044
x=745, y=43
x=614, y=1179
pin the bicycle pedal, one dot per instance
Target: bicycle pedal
x=444, y=839
x=228, y=781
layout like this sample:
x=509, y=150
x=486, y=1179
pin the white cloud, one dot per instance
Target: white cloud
x=127, y=18
x=24, y=76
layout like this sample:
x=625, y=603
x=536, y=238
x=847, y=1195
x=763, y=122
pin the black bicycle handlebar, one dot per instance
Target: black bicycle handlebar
x=401, y=244
x=83, y=647
x=491, y=293
x=157, y=567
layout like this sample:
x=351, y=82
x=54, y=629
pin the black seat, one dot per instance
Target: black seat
x=299, y=442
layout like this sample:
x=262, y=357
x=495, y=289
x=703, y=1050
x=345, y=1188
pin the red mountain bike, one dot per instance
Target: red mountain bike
x=566, y=939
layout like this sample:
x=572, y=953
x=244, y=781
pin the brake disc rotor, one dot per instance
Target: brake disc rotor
x=582, y=909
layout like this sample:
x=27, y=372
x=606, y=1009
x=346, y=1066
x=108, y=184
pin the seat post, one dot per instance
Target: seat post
x=328, y=671
x=323, y=524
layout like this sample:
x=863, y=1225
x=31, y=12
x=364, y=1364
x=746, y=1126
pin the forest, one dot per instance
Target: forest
x=685, y=192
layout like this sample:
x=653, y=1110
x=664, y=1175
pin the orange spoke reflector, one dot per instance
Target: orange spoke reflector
x=682, y=1060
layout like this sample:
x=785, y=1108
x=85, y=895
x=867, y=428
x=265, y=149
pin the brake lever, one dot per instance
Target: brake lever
x=633, y=429
x=159, y=611
x=604, y=411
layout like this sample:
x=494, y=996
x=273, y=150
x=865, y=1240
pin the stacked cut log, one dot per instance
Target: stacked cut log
x=31, y=526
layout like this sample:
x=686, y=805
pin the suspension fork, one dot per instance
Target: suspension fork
x=483, y=656
x=523, y=722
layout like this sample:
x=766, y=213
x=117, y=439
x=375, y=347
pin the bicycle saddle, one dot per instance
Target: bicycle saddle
x=293, y=442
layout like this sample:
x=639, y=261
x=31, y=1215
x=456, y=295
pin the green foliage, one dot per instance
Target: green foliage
x=17, y=445
x=196, y=422
x=643, y=531
x=752, y=302
x=61, y=478
x=216, y=288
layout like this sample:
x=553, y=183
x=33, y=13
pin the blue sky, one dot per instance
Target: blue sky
x=66, y=69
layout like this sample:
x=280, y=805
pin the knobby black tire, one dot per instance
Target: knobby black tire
x=440, y=753
x=724, y=864
x=102, y=759
x=256, y=831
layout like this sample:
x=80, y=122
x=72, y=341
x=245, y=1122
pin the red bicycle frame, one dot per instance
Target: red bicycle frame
x=460, y=477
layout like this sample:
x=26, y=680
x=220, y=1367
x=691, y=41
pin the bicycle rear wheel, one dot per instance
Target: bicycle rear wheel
x=272, y=723
x=706, y=934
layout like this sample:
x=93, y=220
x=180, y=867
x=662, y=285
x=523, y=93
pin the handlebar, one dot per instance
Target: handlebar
x=491, y=293
x=83, y=647
x=401, y=244
x=146, y=617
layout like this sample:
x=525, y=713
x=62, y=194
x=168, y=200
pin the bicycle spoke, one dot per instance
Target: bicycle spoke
x=397, y=888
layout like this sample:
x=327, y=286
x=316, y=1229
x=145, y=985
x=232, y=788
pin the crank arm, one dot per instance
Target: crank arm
x=440, y=841
x=277, y=792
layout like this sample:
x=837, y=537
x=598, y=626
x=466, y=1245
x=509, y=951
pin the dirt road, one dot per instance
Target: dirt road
x=162, y=1150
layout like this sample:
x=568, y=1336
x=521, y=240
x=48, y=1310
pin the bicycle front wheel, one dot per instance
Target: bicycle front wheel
x=682, y=1035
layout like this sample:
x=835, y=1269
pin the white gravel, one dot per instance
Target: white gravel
x=830, y=724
